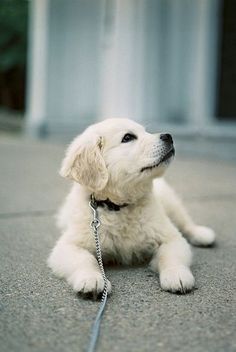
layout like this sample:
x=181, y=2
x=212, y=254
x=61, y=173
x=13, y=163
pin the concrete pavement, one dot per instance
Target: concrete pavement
x=40, y=313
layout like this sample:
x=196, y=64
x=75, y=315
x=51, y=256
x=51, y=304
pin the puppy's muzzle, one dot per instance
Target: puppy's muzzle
x=166, y=152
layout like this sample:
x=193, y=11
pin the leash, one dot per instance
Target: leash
x=96, y=325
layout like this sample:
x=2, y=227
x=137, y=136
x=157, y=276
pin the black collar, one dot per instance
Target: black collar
x=108, y=204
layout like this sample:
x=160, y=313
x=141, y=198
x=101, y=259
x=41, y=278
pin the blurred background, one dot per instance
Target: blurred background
x=171, y=65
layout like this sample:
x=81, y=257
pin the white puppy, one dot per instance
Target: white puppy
x=121, y=165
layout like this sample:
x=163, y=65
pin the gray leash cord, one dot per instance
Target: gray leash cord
x=96, y=326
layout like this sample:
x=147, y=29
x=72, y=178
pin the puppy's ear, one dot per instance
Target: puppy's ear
x=84, y=163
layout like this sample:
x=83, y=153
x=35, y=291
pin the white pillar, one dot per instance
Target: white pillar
x=204, y=63
x=37, y=67
x=122, y=59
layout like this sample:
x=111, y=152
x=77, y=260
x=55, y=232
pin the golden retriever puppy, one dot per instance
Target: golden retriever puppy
x=122, y=165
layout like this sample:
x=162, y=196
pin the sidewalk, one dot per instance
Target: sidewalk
x=40, y=313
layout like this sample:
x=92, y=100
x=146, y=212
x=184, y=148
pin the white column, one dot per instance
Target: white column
x=122, y=58
x=204, y=63
x=37, y=67
x=181, y=89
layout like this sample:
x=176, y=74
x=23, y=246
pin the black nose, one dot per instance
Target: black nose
x=166, y=137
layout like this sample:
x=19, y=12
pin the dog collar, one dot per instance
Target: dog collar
x=107, y=203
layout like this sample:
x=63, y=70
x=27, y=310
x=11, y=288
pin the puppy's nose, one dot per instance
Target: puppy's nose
x=166, y=137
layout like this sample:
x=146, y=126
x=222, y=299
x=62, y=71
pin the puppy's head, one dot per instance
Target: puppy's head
x=118, y=154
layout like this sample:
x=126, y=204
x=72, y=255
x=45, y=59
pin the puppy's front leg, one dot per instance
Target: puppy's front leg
x=78, y=266
x=172, y=260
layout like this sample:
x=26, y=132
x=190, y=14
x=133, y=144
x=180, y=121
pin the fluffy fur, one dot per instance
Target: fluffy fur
x=150, y=227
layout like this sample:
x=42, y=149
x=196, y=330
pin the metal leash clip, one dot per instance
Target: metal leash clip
x=95, y=223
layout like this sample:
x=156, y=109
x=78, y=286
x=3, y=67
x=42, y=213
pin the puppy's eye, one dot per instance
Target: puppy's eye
x=128, y=137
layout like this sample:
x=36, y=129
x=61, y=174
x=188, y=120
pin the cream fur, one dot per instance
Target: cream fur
x=151, y=226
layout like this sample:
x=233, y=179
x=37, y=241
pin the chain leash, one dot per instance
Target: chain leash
x=95, y=223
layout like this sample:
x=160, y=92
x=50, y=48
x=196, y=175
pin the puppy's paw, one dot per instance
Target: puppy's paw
x=88, y=283
x=177, y=279
x=201, y=236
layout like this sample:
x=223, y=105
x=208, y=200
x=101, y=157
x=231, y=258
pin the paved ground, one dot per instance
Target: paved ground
x=40, y=313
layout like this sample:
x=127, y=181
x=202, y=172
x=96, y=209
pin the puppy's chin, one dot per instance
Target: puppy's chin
x=160, y=170
x=157, y=170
